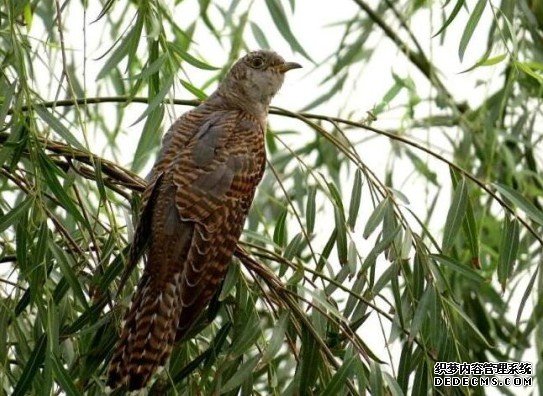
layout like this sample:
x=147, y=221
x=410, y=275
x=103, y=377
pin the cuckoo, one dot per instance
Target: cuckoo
x=193, y=211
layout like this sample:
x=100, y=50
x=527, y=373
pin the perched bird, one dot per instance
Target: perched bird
x=194, y=208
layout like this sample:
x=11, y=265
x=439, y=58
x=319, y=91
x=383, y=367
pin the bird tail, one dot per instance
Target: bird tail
x=148, y=333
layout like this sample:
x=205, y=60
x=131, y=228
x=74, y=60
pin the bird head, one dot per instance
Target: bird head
x=256, y=78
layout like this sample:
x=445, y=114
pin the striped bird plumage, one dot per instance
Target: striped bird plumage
x=194, y=208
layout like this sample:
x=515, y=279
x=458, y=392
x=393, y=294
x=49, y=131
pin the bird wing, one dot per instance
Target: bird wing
x=216, y=178
x=194, y=210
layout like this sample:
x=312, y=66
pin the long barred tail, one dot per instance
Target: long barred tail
x=148, y=334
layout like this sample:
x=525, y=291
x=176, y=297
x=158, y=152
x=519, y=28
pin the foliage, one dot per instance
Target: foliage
x=336, y=256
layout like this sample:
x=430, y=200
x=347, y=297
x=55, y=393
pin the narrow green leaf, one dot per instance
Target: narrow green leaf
x=422, y=168
x=52, y=327
x=58, y=127
x=149, y=139
x=356, y=195
x=309, y=362
x=127, y=45
x=421, y=312
x=515, y=197
x=389, y=95
x=66, y=263
x=49, y=172
x=470, y=27
x=280, y=19
x=508, y=250
x=293, y=248
x=12, y=216
x=241, y=374
x=384, y=279
x=375, y=218
x=451, y=17
x=230, y=280
x=326, y=252
x=407, y=243
x=455, y=215
x=376, y=380
x=393, y=385
x=6, y=102
x=337, y=383
x=31, y=368
x=341, y=238
x=485, y=61
x=63, y=377
x=158, y=99
x=189, y=58
x=277, y=339
x=328, y=93
x=201, y=95
x=310, y=211
x=471, y=230
x=404, y=367
x=384, y=243
x=524, y=67
x=280, y=231
x=463, y=270
x=527, y=293
x=260, y=37
x=468, y=320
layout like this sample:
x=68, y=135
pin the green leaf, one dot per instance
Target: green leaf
x=525, y=67
x=277, y=338
x=260, y=37
x=58, y=127
x=158, y=99
x=384, y=242
x=177, y=49
x=375, y=218
x=422, y=168
x=356, y=195
x=31, y=368
x=66, y=263
x=393, y=385
x=468, y=320
x=280, y=19
x=293, y=248
x=451, y=17
x=309, y=362
x=337, y=383
x=341, y=238
x=463, y=270
x=280, y=231
x=149, y=139
x=485, y=61
x=6, y=102
x=201, y=95
x=509, y=245
x=376, y=380
x=310, y=210
x=241, y=374
x=421, y=312
x=230, y=280
x=127, y=46
x=389, y=95
x=12, y=216
x=455, y=215
x=515, y=197
x=64, y=378
x=49, y=171
x=470, y=27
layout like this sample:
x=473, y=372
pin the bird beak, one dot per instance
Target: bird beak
x=285, y=67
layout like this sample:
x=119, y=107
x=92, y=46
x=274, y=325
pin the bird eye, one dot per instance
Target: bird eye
x=257, y=62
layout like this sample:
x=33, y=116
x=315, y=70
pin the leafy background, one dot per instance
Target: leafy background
x=399, y=222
